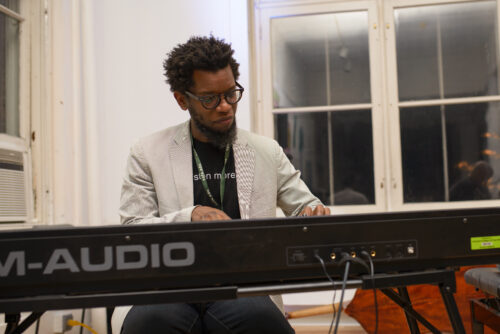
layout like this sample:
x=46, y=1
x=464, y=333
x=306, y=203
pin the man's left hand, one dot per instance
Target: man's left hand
x=320, y=210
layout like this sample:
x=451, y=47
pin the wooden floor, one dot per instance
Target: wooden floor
x=324, y=330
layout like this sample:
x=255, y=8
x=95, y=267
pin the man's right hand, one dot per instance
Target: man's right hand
x=206, y=213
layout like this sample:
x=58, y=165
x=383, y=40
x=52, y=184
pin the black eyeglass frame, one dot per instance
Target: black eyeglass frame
x=203, y=99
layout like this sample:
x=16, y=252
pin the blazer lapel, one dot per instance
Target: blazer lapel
x=244, y=162
x=182, y=166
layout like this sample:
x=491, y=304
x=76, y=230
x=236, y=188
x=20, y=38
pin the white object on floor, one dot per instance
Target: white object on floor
x=318, y=297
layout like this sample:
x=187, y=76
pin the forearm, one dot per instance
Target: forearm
x=183, y=215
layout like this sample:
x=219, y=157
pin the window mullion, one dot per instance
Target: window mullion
x=323, y=108
x=11, y=13
x=458, y=100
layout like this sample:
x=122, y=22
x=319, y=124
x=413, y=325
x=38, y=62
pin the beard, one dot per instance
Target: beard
x=219, y=139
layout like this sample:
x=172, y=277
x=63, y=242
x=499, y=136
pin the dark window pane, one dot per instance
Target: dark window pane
x=472, y=150
x=353, y=157
x=473, y=144
x=11, y=4
x=446, y=51
x=422, y=154
x=304, y=137
x=9, y=75
x=320, y=59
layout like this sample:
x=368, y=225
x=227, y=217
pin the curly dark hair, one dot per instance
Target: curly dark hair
x=198, y=53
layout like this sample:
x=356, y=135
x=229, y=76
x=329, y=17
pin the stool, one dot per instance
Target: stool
x=485, y=311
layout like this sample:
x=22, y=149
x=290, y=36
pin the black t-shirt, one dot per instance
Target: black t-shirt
x=212, y=160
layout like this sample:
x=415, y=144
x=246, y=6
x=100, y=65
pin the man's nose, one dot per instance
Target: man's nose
x=223, y=105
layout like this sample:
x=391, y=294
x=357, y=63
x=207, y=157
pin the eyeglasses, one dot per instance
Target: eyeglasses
x=211, y=102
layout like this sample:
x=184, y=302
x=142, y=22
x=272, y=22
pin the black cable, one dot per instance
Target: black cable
x=82, y=321
x=334, y=290
x=347, y=259
x=37, y=326
x=372, y=276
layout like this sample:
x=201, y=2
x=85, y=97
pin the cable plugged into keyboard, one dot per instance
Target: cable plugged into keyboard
x=381, y=251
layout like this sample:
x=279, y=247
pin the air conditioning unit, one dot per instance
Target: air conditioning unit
x=13, y=186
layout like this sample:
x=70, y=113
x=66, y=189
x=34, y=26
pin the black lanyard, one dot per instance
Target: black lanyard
x=204, y=180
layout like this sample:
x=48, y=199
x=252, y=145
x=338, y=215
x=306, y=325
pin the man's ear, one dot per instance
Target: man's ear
x=181, y=100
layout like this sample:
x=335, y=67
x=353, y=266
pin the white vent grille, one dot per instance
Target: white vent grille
x=12, y=186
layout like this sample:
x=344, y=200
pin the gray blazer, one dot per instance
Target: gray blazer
x=158, y=185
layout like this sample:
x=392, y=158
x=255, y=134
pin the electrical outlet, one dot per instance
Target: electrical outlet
x=61, y=321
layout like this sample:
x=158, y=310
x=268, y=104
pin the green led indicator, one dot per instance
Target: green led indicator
x=480, y=243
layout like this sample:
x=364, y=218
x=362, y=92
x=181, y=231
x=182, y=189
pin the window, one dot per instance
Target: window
x=15, y=180
x=447, y=62
x=331, y=68
x=384, y=105
x=9, y=68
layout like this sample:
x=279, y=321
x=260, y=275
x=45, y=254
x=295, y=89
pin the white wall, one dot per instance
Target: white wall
x=106, y=88
x=132, y=99
x=116, y=91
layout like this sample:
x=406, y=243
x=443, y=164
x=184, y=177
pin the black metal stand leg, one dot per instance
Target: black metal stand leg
x=477, y=327
x=13, y=325
x=109, y=315
x=12, y=320
x=412, y=323
x=452, y=309
x=409, y=310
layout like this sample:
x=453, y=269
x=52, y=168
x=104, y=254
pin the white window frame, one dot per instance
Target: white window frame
x=22, y=143
x=264, y=123
x=385, y=106
x=396, y=196
x=7, y=141
x=41, y=114
x=34, y=139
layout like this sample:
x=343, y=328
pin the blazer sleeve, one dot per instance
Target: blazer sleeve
x=293, y=194
x=139, y=201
